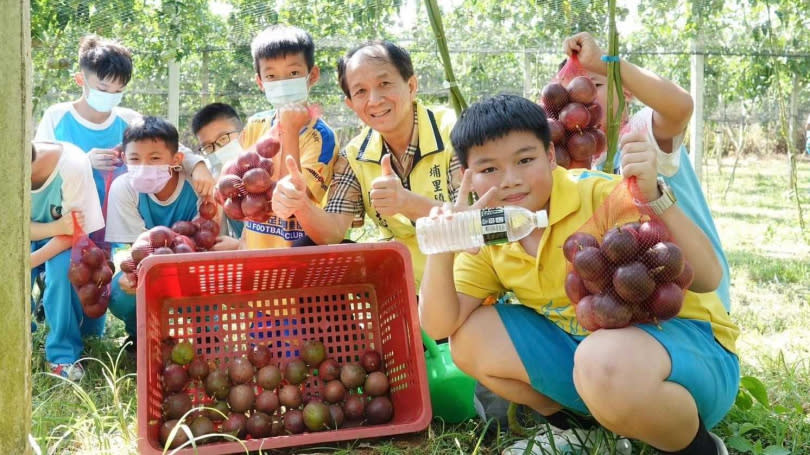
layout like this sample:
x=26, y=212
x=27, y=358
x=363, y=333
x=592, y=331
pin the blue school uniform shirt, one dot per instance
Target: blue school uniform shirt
x=691, y=200
x=184, y=208
x=61, y=122
x=130, y=213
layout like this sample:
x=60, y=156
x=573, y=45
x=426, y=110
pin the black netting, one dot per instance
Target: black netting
x=495, y=47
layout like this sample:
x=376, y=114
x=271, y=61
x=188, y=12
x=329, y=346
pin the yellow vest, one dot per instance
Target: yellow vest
x=428, y=176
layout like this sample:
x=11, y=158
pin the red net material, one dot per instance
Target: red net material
x=624, y=267
x=90, y=272
x=199, y=234
x=109, y=176
x=245, y=187
x=353, y=298
x=574, y=116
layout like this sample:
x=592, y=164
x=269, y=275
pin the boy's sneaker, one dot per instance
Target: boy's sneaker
x=568, y=442
x=721, y=446
x=70, y=371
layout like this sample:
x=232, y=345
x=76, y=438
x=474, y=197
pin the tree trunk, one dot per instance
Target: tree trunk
x=15, y=203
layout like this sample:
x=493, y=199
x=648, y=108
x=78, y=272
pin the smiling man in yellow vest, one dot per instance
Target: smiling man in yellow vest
x=399, y=167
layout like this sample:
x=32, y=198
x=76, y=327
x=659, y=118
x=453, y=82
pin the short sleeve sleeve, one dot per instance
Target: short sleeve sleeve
x=78, y=187
x=318, y=151
x=475, y=275
x=124, y=222
x=668, y=163
x=47, y=125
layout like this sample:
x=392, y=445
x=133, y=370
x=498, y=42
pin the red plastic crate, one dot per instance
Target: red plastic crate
x=352, y=297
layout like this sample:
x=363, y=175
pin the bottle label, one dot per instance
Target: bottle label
x=493, y=226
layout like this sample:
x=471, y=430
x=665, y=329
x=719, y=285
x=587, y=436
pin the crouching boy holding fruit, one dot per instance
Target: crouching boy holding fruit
x=662, y=384
x=155, y=191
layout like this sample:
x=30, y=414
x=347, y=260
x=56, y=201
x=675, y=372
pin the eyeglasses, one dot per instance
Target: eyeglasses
x=220, y=142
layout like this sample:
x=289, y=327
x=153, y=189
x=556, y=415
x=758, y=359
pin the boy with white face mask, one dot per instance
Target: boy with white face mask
x=95, y=122
x=154, y=192
x=216, y=127
x=283, y=58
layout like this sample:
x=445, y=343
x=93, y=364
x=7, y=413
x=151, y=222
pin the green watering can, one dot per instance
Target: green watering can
x=451, y=391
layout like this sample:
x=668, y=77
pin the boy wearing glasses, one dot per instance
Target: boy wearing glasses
x=216, y=127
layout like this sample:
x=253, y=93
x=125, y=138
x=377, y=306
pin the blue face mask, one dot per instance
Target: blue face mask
x=103, y=101
x=286, y=91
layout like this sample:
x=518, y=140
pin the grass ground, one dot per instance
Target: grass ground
x=770, y=261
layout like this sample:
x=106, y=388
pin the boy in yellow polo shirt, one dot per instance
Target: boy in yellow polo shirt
x=662, y=384
x=284, y=60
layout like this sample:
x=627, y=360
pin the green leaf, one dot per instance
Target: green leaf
x=757, y=389
x=776, y=450
x=743, y=401
x=739, y=444
x=746, y=427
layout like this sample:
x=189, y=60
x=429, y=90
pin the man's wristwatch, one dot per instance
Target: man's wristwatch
x=666, y=200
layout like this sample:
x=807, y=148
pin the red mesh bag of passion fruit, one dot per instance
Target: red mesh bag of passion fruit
x=199, y=234
x=245, y=187
x=90, y=272
x=624, y=267
x=246, y=184
x=574, y=116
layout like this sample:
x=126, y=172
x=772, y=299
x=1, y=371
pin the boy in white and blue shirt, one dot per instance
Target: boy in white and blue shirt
x=154, y=192
x=61, y=183
x=95, y=123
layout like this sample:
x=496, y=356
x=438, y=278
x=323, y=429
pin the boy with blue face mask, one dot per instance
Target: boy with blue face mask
x=95, y=122
x=284, y=60
x=154, y=192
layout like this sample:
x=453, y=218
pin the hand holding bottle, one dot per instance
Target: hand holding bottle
x=434, y=231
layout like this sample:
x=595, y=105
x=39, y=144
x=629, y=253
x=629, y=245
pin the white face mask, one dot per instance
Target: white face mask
x=224, y=154
x=286, y=91
x=149, y=178
x=103, y=101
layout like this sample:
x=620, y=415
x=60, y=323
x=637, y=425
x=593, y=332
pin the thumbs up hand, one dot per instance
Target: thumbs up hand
x=388, y=196
x=290, y=195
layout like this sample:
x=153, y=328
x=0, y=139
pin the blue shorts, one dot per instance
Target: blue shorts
x=699, y=363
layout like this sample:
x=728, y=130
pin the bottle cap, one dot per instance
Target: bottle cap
x=541, y=218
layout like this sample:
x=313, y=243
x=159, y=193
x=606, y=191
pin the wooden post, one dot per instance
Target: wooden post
x=15, y=204
x=174, y=93
x=204, y=81
x=527, y=77
x=696, y=122
x=795, y=130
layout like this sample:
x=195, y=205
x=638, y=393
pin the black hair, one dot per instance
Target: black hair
x=33, y=152
x=106, y=58
x=154, y=128
x=280, y=41
x=384, y=51
x=211, y=112
x=495, y=117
